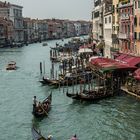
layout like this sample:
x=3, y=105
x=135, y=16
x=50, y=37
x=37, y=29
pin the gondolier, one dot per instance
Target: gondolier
x=34, y=101
x=39, y=110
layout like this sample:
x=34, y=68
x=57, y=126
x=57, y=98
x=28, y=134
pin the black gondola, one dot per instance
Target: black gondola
x=36, y=135
x=73, y=95
x=43, y=108
x=48, y=81
x=90, y=95
x=68, y=80
x=94, y=97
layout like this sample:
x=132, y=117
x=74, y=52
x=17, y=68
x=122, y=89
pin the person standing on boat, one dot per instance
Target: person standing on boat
x=34, y=104
x=74, y=137
x=34, y=101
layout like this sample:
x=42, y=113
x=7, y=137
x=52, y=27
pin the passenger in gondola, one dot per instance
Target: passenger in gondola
x=48, y=101
x=39, y=107
x=74, y=137
x=45, y=105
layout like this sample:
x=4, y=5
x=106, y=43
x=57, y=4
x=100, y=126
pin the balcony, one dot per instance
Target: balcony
x=125, y=5
x=123, y=36
x=125, y=17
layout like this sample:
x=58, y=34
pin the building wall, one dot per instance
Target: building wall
x=108, y=29
x=77, y=28
x=137, y=26
x=16, y=17
x=97, y=19
x=126, y=28
x=115, y=24
x=13, y=13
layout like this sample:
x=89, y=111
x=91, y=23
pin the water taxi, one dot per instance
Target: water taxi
x=11, y=65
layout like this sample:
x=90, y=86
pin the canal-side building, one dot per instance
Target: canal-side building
x=115, y=24
x=27, y=29
x=51, y=29
x=70, y=29
x=107, y=23
x=64, y=29
x=77, y=26
x=14, y=13
x=6, y=32
x=59, y=29
x=97, y=19
x=126, y=26
x=30, y=31
x=137, y=26
x=42, y=30
x=85, y=27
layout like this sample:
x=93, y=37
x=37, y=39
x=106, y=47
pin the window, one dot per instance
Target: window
x=128, y=11
x=139, y=4
x=92, y=15
x=105, y=20
x=135, y=5
x=113, y=20
x=117, y=8
x=96, y=14
x=110, y=19
x=135, y=21
x=135, y=35
x=113, y=9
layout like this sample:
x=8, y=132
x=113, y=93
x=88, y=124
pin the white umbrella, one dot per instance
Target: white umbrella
x=85, y=50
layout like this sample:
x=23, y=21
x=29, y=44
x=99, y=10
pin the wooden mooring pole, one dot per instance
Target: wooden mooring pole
x=40, y=67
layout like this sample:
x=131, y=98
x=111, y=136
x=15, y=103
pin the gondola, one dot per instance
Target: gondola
x=11, y=65
x=65, y=81
x=48, y=81
x=36, y=135
x=90, y=95
x=94, y=97
x=43, y=108
x=73, y=95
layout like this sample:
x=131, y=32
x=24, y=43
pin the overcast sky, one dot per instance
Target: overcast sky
x=62, y=9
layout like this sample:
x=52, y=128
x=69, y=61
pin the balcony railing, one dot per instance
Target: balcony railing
x=123, y=36
x=125, y=5
x=125, y=17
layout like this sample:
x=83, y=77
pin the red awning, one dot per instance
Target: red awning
x=108, y=63
x=121, y=57
x=133, y=61
x=128, y=59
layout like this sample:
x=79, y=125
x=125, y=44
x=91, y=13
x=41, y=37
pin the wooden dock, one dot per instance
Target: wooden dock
x=123, y=88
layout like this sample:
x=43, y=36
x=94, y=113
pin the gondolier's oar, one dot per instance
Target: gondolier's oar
x=44, y=110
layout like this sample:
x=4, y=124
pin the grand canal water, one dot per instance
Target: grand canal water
x=117, y=118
